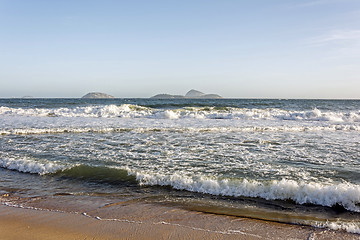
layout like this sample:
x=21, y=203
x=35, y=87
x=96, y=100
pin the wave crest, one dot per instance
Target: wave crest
x=28, y=166
x=344, y=194
x=135, y=111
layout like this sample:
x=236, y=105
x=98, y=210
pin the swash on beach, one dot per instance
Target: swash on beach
x=293, y=161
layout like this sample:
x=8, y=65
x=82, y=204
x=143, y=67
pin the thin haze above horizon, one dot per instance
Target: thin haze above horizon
x=238, y=49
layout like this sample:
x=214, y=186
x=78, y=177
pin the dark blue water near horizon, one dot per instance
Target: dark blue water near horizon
x=287, y=104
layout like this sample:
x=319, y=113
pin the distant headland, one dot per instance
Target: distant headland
x=190, y=94
x=97, y=95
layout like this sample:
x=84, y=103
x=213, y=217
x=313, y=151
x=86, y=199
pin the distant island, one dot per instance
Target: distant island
x=97, y=95
x=190, y=94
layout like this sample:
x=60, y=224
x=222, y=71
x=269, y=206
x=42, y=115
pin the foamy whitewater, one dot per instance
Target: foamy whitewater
x=304, y=154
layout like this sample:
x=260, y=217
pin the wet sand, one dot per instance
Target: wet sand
x=147, y=221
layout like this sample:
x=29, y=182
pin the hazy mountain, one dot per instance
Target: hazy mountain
x=97, y=95
x=190, y=94
x=167, y=96
x=194, y=94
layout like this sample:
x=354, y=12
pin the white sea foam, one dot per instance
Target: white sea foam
x=344, y=194
x=134, y=111
x=351, y=227
x=107, y=111
x=55, y=130
x=28, y=166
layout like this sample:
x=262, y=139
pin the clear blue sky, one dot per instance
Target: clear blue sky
x=240, y=49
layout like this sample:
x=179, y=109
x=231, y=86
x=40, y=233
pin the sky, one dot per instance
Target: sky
x=139, y=48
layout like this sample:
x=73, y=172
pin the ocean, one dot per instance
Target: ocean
x=291, y=161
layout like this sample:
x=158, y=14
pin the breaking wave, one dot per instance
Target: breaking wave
x=29, y=166
x=135, y=111
x=344, y=194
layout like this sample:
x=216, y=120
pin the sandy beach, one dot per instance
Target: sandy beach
x=147, y=221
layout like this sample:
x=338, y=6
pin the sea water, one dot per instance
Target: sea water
x=295, y=161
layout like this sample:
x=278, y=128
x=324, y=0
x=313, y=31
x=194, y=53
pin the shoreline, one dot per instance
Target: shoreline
x=147, y=221
x=143, y=169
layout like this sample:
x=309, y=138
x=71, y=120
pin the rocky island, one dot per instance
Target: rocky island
x=190, y=94
x=97, y=95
